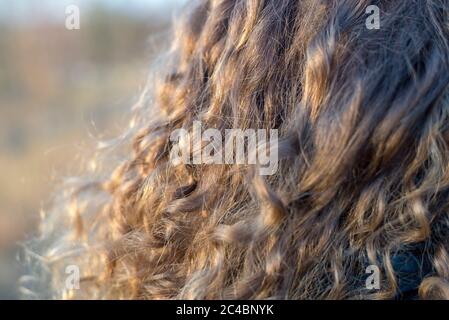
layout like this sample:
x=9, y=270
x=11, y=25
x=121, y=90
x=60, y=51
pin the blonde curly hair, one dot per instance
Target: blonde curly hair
x=363, y=171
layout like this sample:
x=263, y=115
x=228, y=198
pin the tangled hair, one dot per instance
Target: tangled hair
x=363, y=177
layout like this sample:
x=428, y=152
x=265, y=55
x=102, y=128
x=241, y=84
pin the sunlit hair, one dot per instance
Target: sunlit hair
x=363, y=174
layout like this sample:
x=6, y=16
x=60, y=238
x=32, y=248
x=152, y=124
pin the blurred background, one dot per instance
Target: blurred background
x=59, y=89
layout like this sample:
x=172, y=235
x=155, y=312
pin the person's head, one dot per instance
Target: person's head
x=362, y=120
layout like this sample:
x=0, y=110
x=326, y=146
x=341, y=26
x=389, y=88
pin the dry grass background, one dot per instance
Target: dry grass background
x=58, y=90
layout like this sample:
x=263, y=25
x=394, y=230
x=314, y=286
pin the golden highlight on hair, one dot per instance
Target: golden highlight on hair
x=363, y=177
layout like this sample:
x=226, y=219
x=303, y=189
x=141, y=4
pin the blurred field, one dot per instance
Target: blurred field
x=57, y=89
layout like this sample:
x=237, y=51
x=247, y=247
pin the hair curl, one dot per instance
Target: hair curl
x=363, y=175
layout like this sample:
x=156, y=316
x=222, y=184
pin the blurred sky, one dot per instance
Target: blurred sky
x=30, y=11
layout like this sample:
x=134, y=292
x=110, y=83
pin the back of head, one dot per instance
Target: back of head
x=363, y=170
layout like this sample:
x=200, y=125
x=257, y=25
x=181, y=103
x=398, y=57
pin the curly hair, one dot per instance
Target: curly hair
x=363, y=176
